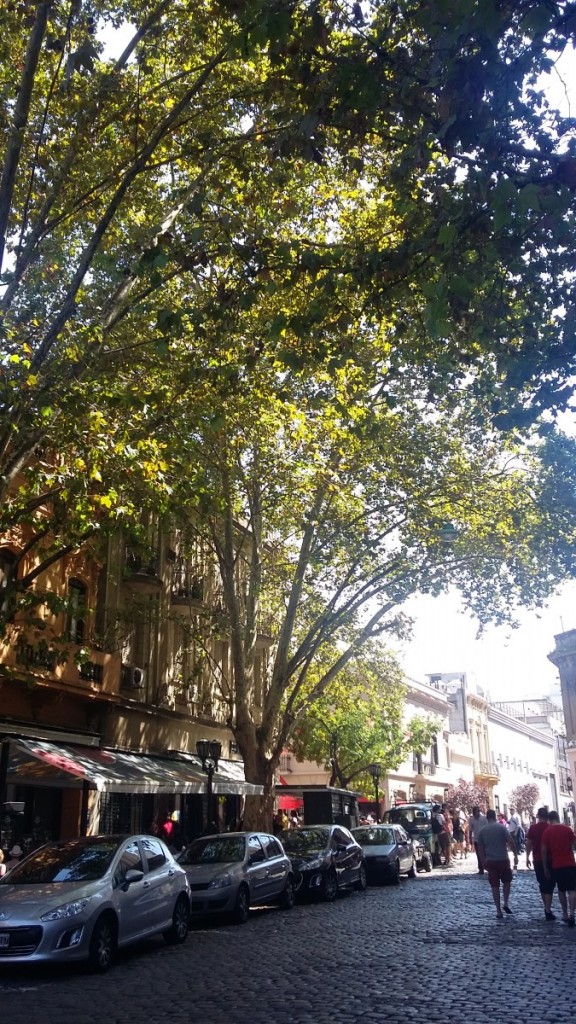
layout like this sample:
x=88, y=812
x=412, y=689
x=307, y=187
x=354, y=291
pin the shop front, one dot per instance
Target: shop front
x=54, y=790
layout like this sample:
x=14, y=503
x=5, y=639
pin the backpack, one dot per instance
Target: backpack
x=437, y=826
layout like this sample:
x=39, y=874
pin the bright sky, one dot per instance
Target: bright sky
x=509, y=665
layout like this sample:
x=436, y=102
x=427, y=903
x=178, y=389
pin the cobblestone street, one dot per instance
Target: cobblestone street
x=429, y=950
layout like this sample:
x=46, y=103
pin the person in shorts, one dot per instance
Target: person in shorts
x=494, y=841
x=534, y=848
x=559, y=864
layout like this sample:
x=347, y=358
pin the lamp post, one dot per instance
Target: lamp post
x=375, y=770
x=209, y=752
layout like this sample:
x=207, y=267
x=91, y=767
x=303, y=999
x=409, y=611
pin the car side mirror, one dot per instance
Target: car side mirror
x=131, y=876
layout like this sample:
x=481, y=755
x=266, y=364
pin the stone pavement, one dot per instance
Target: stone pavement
x=428, y=950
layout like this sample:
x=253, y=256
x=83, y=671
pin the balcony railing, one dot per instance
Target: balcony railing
x=285, y=763
x=142, y=563
x=186, y=586
x=486, y=769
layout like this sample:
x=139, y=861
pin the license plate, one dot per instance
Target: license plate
x=4, y=939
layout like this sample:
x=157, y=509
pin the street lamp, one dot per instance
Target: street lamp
x=209, y=752
x=375, y=770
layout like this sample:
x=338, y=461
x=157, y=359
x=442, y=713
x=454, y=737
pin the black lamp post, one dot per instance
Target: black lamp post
x=375, y=770
x=209, y=752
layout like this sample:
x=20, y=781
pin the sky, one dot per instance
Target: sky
x=507, y=664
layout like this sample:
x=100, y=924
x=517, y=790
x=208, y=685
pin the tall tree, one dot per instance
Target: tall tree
x=281, y=269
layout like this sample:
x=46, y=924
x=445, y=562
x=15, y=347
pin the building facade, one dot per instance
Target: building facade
x=104, y=695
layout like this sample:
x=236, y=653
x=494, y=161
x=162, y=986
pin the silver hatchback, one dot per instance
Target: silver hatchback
x=84, y=898
x=230, y=872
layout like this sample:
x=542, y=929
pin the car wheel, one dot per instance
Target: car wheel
x=412, y=872
x=179, y=928
x=329, y=886
x=103, y=944
x=288, y=897
x=242, y=908
x=362, y=880
x=394, y=876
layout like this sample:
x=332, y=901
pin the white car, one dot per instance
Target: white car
x=85, y=898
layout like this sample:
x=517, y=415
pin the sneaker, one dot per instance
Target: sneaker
x=571, y=922
x=550, y=916
x=499, y=915
x=506, y=910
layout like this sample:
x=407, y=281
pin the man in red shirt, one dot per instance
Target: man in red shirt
x=534, y=847
x=559, y=864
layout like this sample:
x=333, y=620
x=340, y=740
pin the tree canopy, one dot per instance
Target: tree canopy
x=300, y=276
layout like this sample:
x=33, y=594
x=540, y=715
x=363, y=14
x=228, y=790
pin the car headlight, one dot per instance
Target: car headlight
x=66, y=910
x=220, y=882
x=311, y=865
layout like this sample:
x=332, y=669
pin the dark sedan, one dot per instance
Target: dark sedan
x=325, y=858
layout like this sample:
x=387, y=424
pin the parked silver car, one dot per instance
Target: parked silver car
x=388, y=852
x=231, y=872
x=83, y=898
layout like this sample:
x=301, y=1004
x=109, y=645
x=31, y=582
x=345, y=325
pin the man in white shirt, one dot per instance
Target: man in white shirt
x=514, y=825
x=475, y=823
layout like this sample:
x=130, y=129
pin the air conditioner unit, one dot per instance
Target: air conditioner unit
x=133, y=678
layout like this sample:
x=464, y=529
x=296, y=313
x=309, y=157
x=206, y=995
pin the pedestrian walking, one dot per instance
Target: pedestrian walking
x=458, y=835
x=443, y=836
x=475, y=823
x=494, y=841
x=559, y=864
x=534, y=849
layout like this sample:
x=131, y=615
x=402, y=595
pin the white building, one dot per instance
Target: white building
x=425, y=776
x=524, y=753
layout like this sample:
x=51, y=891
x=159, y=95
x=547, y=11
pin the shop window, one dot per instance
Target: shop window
x=76, y=624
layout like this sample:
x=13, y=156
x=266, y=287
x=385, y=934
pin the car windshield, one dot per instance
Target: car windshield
x=304, y=840
x=413, y=819
x=74, y=861
x=374, y=836
x=215, y=850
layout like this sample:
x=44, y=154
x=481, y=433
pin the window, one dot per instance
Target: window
x=154, y=854
x=255, y=852
x=271, y=845
x=129, y=859
x=76, y=624
x=434, y=751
